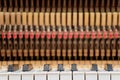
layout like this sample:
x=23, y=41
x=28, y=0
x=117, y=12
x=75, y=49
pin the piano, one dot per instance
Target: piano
x=59, y=39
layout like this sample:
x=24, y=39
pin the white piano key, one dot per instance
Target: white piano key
x=29, y=75
x=41, y=75
x=115, y=75
x=14, y=75
x=77, y=75
x=104, y=75
x=53, y=75
x=91, y=75
x=66, y=75
x=3, y=75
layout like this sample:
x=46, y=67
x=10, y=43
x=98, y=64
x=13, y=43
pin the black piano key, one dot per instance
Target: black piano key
x=74, y=67
x=109, y=67
x=47, y=67
x=60, y=67
x=94, y=67
x=13, y=67
x=27, y=67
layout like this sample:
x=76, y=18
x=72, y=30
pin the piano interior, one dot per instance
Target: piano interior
x=59, y=39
